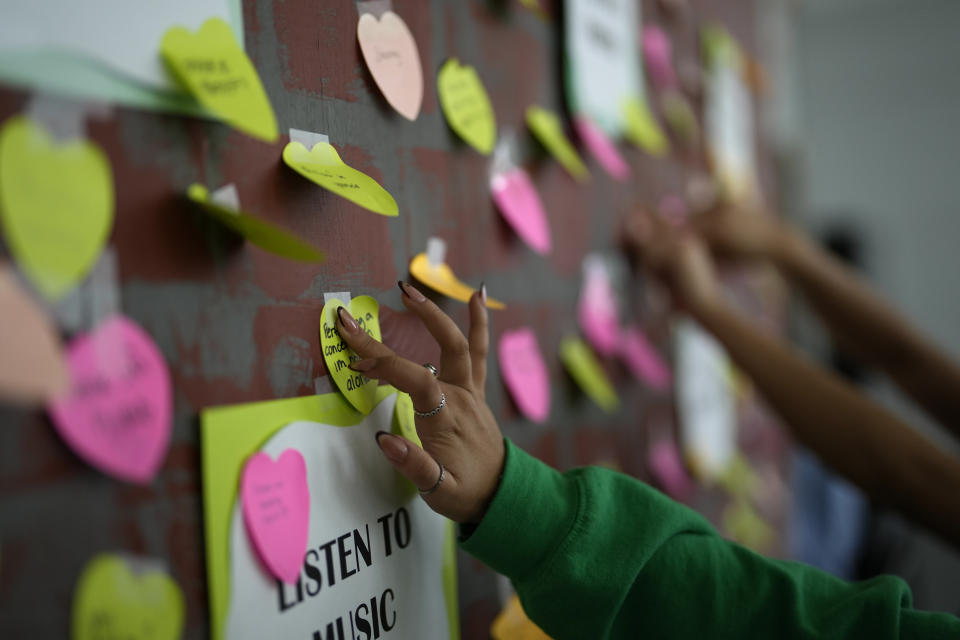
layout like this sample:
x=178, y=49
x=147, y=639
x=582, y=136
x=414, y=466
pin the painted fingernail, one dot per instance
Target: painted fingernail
x=483, y=293
x=363, y=365
x=393, y=447
x=347, y=320
x=411, y=292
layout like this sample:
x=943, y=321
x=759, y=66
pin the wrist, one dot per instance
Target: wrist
x=787, y=247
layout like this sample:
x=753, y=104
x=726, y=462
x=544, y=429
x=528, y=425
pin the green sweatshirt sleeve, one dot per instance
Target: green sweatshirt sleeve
x=597, y=554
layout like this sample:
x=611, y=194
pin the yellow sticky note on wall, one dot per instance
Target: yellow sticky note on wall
x=217, y=72
x=322, y=165
x=642, y=128
x=513, y=624
x=56, y=204
x=549, y=131
x=466, y=105
x=586, y=370
x=441, y=278
x=359, y=390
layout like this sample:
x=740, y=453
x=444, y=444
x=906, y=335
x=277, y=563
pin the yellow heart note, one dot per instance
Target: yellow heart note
x=586, y=370
x=642, y=128
x=56, y=204
x=322, y=165
x=258, y=232
x=466, y=105
x=359, y=390
x=111, y=602
x=441, y=278
x=217, y=72
x=404, y=419
x=546, y=126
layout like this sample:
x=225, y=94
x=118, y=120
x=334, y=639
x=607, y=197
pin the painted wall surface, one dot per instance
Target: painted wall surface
x=239, y=325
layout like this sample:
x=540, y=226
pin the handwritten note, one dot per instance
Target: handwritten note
x=602, y=148
x=259, y=232
x=519, y=203
x=597, y=308
x=276, y=511
x=643, y=360
x=117, y=414
x=643, y=130
x=355, y=387
x=110, y=601
x=56, y=204
x=546, y=126
x=587, y=372
x=466, y=105
x=322, y=165
x=216, y=71
x=32, y=366
x=441, y=278
x=392, y=57
x=525, y=373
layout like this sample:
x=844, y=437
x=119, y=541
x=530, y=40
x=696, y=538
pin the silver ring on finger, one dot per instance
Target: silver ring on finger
x=443, y=473
x=435, y=410
x=432, y=369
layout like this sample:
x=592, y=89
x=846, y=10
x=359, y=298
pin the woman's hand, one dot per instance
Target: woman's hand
x=741, y=234
x=463, y=435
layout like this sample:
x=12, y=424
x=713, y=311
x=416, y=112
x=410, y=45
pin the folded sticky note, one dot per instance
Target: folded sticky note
x=546, y=126
x=441, y=278
x=586, y=370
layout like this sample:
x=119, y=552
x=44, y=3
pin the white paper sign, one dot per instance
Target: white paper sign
x=705, y=401
x=374, y=561
x=603, y=60
x=729, y=128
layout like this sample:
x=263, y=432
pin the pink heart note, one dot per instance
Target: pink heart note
x=276, y=511
x=643, y=360
x=602, y=148
x=519, y=203
x=117, y=413
x=597, y=308
x=393, y=59
x=525, y=373
x=665, y=463
x=658, y=53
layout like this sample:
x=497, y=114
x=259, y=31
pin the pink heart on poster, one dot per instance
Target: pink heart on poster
x=525, y=373
x=665, y=463
x=519, y=203
x=393, y=59
x=643, y=360
x=597, y=308
x=276, y=510
x=117, y=412
x=658, y=53
x=602, y=148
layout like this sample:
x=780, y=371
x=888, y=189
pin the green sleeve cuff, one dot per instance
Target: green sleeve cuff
x=532, y=512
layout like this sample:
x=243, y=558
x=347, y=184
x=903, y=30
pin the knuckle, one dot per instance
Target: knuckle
x=459, y=347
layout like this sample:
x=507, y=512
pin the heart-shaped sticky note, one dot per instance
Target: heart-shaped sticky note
x=32, y=367
x=259, y=232
x=602, y=147
x=56, y=203
x=666, y=464
x=546, y=126
x=322, y=165
x=642, y=128
x=658, y=54
x=586, y=370
x=525, y=373
x=441, y=278
x=404, y=418
x=466, y=105
x=117, y=414
x=597, y=308
x=356, y=388
x=216, y=71
x=110, y=601
x=643, y=360
x=393, y=59
x=518, y=201
x=276, y=511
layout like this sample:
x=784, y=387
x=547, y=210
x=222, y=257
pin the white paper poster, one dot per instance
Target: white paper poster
x=374, y=561
x=729, y=128
x=603, y=59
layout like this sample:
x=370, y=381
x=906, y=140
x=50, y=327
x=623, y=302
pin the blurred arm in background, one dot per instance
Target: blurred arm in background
x=862, y=441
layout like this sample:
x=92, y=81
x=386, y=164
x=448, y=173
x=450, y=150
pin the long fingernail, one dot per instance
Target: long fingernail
x=483, y=293
x=393, y=447
x=363, y=365
x=410, y=292
x=347, y=320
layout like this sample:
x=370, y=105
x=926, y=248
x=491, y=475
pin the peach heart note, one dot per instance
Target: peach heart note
x=393, y=59
x=276, y=511
x=442, y=279
x=525, y=373
x=323, y=166
x=359, y=390
x=117, y=413
x=520, y=204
